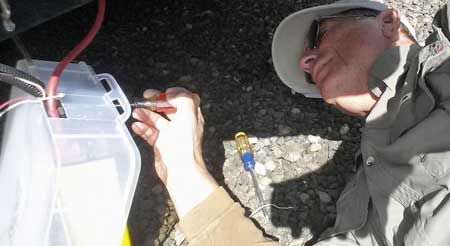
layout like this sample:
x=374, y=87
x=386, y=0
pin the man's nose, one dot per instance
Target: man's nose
x=307, y=61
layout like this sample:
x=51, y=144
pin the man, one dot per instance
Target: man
x=363, y=59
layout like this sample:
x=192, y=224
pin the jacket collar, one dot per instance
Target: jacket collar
x=388, y=69
x=390, y=66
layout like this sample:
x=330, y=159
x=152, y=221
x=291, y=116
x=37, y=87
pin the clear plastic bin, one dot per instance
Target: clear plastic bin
x=68, y=181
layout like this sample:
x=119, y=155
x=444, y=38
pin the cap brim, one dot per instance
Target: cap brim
x=289, y=39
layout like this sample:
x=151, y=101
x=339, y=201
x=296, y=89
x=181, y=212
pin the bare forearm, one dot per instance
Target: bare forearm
x=188, y=188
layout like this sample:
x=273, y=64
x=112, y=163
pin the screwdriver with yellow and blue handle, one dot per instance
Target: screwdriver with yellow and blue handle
x=246, y=153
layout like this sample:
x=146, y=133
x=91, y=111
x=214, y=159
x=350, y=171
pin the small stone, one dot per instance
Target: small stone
x=278, y=153
x=279, y=116
x=284, y=130
x=273, y=139
x=172, y=219
x=261, y=152
x=185, y=79
x=249, y=88
x=344, y=129
x=161, y=237
x=179, y=237
x=262, y=111
x=157, y=189
x=260, y=169
x=207, y=106
x=189, y=26
x=252, y=140
x=280, y=141
x=270, y=165
x=314, y=167
x=293, y=156
x=297, y=242
x=278, y=178
x=307, y=158
x=324, y=197
x=291, y=144
x=169, y=241
x=195, y=61
x=144, y=29
x=295, y=111
x=265, y=142
x=314, y=147
x=306, y=233
x=304, y=197
x=212, y=129
x=265, y=182
x=313, y=139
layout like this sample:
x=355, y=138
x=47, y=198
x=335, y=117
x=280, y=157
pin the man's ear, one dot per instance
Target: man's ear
x=389, y=22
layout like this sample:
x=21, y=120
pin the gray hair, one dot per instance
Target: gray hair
x=372, y=12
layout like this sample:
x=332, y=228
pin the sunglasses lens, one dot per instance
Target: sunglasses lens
x=309, y=78
x=312, y=35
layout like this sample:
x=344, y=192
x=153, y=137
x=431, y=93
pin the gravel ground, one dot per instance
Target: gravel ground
x=221, y=49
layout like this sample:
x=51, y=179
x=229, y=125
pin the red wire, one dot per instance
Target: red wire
x=5, y=104
x=52, y=85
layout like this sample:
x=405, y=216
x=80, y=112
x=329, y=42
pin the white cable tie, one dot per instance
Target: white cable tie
x=269, y=205
x=59, y=95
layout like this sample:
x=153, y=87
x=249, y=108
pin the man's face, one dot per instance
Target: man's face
x=340, y=63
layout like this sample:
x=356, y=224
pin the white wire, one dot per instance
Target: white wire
x=267, y=205
x=40, y=99
x=26, y=81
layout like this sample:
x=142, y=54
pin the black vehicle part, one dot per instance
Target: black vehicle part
x=27, y=14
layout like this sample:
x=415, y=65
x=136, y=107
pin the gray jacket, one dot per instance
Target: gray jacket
x=405, y=150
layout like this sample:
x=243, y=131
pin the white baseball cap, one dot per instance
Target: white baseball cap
x=289, y=39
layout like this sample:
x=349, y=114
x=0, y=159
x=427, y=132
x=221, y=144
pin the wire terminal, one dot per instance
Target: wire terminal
x=157, y=103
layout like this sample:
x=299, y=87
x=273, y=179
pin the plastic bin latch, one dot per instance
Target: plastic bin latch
x=115, y=95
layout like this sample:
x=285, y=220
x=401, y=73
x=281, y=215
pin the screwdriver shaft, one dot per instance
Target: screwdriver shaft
x=259, y=193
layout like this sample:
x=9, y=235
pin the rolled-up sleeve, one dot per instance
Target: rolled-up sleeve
x=220, y=221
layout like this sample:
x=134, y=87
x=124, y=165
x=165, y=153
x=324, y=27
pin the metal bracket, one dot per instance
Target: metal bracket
x=6, y=16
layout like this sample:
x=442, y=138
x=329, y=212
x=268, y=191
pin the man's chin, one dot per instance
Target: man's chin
x=354, y=113
x=345, y=106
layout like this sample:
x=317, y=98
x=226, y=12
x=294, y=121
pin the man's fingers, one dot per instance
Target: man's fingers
x=196, y=98
x=182, y=98
x=200, y=116
x=151, y=92
x=150, y=118
x=146, y=132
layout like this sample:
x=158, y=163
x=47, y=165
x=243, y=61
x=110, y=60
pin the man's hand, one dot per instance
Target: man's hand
x=177, y=147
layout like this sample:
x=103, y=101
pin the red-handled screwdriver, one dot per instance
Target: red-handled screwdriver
x=157, y=103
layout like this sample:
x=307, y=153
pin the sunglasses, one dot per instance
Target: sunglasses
x=315, y=33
